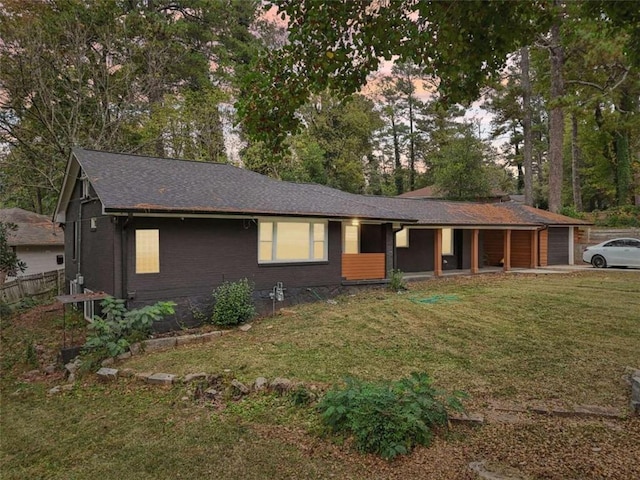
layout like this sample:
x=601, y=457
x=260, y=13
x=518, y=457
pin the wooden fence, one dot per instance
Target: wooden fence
x=39, y=285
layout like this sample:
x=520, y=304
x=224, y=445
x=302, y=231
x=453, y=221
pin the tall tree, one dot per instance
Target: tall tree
x=556, y=114
x=336, y=45
x=527, y=132
x=124, y=76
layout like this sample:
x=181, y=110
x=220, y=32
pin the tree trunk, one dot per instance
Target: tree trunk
x=526, y=127
x=556, y=117
x=623, y=157
x=576, y=161
x=397, y=173
x=412, y=150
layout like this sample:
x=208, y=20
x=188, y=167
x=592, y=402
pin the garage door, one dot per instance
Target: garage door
x=558, y=246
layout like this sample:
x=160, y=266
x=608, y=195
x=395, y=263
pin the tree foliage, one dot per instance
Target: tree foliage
x=135, y=76
x=336, y=45
x=10, y=264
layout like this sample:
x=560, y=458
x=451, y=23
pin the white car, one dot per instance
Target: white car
x=619, y=252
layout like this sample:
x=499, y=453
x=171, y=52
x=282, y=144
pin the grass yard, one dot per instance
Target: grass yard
x=555, y=340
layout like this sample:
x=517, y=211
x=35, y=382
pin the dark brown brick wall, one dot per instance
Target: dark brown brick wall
x=418, y=257
x=196, y=255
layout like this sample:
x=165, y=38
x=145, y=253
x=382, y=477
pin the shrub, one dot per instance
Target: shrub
x=233, y=303
x=396, y=282
x=626, y=216
x=388, y=418
x=113, y=333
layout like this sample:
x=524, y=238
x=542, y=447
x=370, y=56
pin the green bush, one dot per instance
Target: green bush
x=113, y=333
x=396, y=282
x=626, y=216
x=233, y=303
x=388, y=419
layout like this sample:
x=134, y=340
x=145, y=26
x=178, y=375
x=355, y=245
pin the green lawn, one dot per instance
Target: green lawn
x=554, y=339
x=548, y=337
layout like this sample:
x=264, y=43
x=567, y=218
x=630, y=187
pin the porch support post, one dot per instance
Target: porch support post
x=571, y=246
x=506, y=251
x=475, y=235
x=533, y=258
x=437, y=253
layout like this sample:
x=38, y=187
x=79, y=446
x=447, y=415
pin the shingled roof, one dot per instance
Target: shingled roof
x=33, y=229
x=138, y=184
x=133, y=183
x=442, y=212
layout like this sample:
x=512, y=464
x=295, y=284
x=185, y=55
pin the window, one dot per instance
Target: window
x=351, y=239
x=447, y=241
x=85, y=187
x=632, y=243
x=147, y=251
x=402, y=238
x=292, y=241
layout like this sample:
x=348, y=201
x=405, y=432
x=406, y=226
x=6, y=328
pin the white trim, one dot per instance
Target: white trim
x=88, y=307
x=571, y=247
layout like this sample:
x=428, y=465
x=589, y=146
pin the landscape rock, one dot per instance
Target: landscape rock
x=239, y=387
x=161, y=379
x=55, y=390
x=596, y=411
x=482, y=471
x=73, y=366
x=67, y=388
x=124, y=356
x=143, y=376
x=260, y=384
x=188, y=340
x=281, y=385
x=71, y=377
x=107, y=374
x=468, y=418
x=49, y=369
x=135, y=348
x=159, y=344
x=211, y=394
x=107, y=362
x=245, y=328
x=194, y=376
x=210, y=336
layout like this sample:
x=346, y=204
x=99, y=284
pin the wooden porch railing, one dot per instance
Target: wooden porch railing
x=363, y=266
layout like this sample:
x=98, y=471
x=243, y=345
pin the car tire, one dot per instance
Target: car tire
x=599, y=261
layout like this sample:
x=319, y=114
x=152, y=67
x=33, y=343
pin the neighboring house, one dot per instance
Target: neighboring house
x=38, y=241
x=148, y=229
x=431, y=192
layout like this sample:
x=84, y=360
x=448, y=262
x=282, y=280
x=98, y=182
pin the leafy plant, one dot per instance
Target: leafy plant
x=233, y=303
x=388, y=418
x=396, y=281
x=10, y=264
x=113, y=333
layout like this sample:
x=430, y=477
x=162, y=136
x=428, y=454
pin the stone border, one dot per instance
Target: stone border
x=165, y=343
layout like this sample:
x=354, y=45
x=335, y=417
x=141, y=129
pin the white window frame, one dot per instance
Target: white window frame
x=145, y=272
x=312, y=241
